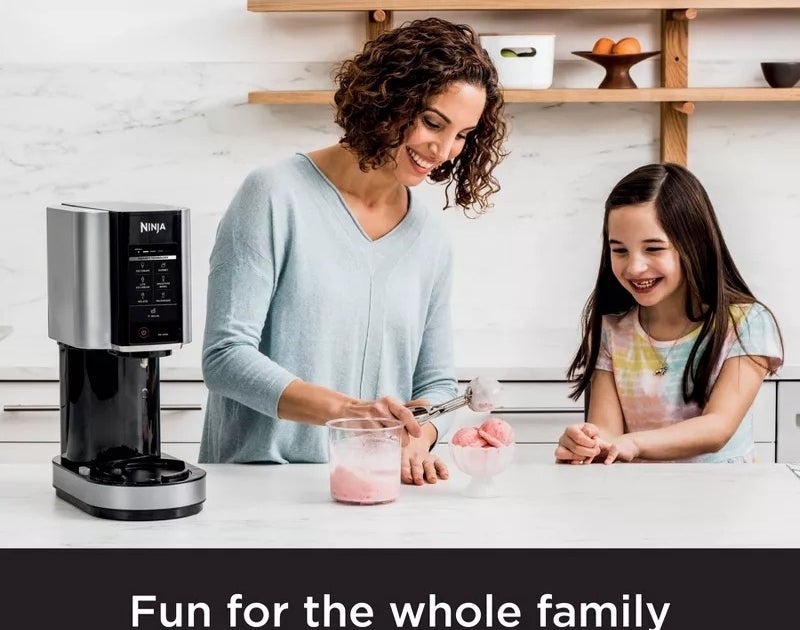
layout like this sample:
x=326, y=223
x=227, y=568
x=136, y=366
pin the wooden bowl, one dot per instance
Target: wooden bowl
x=617, y=66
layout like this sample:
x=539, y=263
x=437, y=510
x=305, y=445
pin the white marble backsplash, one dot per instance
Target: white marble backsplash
x=167, y=121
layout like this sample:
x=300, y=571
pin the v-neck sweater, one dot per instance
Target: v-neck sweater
x=297, y=289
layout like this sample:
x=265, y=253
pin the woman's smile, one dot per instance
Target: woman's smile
x=421, y=165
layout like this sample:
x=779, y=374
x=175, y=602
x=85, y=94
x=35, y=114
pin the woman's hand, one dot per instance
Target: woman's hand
x=386, y=407
x=419, y=465
x=579, y=444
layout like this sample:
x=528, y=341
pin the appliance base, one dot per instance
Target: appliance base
x=130, y=515
x=151, y=502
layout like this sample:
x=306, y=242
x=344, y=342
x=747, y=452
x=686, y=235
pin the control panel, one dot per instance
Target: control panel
x=146, y=264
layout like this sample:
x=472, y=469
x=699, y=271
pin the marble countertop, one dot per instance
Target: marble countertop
x=541, y=505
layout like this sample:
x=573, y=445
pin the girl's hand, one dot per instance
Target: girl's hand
x=578, y=444
x=621, y=449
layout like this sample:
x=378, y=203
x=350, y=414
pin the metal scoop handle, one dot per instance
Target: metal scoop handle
x=480, y=389
x=425, y=413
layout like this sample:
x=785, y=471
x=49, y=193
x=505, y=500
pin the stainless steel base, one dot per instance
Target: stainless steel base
x=129, y=502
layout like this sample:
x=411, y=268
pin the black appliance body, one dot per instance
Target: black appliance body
x=118, y=301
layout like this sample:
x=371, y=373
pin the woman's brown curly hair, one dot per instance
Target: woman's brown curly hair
x=384, y=89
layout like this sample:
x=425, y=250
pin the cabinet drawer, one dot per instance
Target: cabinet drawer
x=536, y=427
x=43, y=452
x=788, y=438
x=29, y=411
x=543, y=427
x=27, y=452
x=763, y=412
x=539, y=411
x=765, y=452
x=540, y=427
x=187, y=451
x=537, y=395
x=535, y=454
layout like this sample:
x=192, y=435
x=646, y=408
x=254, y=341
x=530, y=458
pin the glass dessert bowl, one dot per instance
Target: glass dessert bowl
x=482, y=464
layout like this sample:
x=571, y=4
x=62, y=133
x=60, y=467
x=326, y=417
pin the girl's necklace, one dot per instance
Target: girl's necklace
x=664, y=367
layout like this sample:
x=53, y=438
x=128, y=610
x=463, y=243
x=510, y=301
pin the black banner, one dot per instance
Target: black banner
x=152, y=589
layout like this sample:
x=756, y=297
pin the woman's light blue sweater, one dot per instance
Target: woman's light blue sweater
x=297, y=290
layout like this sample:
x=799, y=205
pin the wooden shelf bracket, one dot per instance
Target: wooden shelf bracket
x=681, y=15
x=674, y=74
x=685, y=107
x=378, y=21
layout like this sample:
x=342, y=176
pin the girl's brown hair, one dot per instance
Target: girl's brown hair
x=713, y=283
x=382, y=91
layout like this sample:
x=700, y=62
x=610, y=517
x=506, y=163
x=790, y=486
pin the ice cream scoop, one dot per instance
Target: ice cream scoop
x=480, y=395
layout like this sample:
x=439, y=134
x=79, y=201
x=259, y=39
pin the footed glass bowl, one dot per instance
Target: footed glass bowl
x=482, y=464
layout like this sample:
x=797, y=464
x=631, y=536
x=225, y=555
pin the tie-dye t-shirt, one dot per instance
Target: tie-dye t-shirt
x=651, y=401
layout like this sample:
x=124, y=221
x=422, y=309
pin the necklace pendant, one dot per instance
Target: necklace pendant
x=662, y=370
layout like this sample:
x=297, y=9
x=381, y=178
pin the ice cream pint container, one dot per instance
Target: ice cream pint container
x=364, y=458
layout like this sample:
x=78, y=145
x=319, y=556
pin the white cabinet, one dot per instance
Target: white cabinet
x=539, y=411
x=788, y=438
x=30, y=425
x=763, y=413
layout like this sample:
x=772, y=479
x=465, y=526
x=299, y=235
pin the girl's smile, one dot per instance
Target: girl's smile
x=644, y=286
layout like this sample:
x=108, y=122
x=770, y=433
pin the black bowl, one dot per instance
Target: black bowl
x=781, y=74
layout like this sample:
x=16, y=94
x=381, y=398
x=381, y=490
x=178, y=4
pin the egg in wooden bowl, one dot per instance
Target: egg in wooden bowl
x=603, y=46
x=616, y=58
x=627, y=46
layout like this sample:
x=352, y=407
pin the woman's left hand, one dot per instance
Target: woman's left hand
x=419, y=465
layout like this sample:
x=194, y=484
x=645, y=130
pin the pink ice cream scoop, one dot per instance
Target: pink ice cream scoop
x=480, y=395
x=468, y=436
x=496, y=432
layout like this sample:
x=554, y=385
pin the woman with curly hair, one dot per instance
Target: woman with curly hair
x=330, y=282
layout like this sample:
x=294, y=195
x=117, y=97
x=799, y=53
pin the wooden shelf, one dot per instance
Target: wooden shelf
x=496, y=5
x=676, y=99
x=574, y=95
